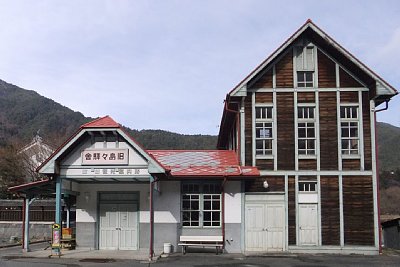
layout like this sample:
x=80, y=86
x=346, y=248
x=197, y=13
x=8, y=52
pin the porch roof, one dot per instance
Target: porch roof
x=42, y=187
x=200, y=163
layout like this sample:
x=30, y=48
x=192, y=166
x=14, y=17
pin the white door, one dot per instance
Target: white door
x=308, y=225
x=265, y=224
x=109, y=235
x=274, y=227
x=128, y=226
x=118, y=227
x=255, y=234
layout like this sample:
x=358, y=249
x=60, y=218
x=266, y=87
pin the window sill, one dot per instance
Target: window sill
x=307, y=156
x=351, y=157
x=265, y=157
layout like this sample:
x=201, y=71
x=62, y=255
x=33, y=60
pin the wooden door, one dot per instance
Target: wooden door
x=275, y=227
x=308, y=224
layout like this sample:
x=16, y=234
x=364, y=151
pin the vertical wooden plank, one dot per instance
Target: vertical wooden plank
x=328, y=131
x=285, y=129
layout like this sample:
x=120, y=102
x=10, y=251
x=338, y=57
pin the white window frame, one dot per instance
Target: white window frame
x=202, y=197
x=306, y=121
x=347, y=120
x=303, y=67
x=264, y=120
x=307, y=186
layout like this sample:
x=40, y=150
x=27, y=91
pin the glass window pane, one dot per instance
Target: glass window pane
x=310, y=132
x=302, y=132
x=195, y=205
x=311, y=113
x=302, y=144
x=215, y=205
x=215, y=216
x=258, y=113
x=207, y=205
x=310, y=144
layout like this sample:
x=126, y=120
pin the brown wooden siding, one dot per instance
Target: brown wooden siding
x=276, y=184
x=248, y=131
x=306, y=97
x=358, y=210
x=330, y=210
x=285, y=127
x=307, y=164
x=351, y=164
x=265, y=164
x=264, y=97
x=263, y=81
x=284, y=71
x=328, y=131
x=326, y=71
x=367, y=132
x=348, y=97
x=291, y=210
x=346, y=80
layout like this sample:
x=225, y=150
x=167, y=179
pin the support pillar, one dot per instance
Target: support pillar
x=27, y=203
x=26, y=224
x=151, y=247
x=58, y=208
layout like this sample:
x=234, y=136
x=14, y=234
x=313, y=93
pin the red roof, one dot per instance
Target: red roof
x=104, y=122
x=202, y=163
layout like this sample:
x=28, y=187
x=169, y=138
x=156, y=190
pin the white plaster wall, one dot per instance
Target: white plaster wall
x=86, y=211
x=166, y=203
x=233, y=202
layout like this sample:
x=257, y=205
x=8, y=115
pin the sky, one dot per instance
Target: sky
x=169, y=64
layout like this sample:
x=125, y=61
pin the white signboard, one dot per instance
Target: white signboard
x=105, y=172
x=105, y=157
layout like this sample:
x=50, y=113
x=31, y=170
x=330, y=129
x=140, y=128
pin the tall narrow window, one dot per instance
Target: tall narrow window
x=306, y=130
x=305, y=66
x=263, y=130
x=349, y=130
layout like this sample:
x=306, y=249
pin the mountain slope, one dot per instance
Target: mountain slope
x=24, y=112
x=388, y=146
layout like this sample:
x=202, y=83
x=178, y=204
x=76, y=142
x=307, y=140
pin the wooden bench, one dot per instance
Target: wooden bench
x=201, y=241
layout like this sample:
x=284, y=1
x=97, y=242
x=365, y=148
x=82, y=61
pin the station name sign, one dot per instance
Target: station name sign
x=105, y=156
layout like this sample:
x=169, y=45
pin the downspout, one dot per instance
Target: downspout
x=377, y=176
x=223, y=212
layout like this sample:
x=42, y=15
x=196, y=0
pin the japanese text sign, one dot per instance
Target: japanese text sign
x=105, y=157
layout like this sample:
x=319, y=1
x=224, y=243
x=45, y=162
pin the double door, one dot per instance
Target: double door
x=118, y=226
x=265, y=226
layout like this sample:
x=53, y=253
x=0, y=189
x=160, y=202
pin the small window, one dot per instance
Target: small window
x=263, y=113
x=307, y=186
x=305, y=79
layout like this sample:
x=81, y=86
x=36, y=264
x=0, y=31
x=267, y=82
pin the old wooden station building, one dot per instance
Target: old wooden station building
x=295, y=168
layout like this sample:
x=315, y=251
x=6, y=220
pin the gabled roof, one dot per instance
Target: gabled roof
x=107, y=123
x=309, y=25
x=103, y=122
x=203, y=163
x=384, y=90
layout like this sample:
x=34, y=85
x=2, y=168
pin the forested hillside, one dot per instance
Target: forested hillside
x=24, y=112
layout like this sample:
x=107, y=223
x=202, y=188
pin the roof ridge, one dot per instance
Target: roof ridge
x=105, y=121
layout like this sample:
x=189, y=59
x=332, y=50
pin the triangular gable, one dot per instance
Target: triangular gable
x=102, y=124
x=382, y=87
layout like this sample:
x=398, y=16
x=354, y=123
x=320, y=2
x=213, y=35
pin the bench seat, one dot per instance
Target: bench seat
x=201, y=241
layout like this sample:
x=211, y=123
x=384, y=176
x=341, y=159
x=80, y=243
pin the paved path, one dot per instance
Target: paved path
x=12, y=257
